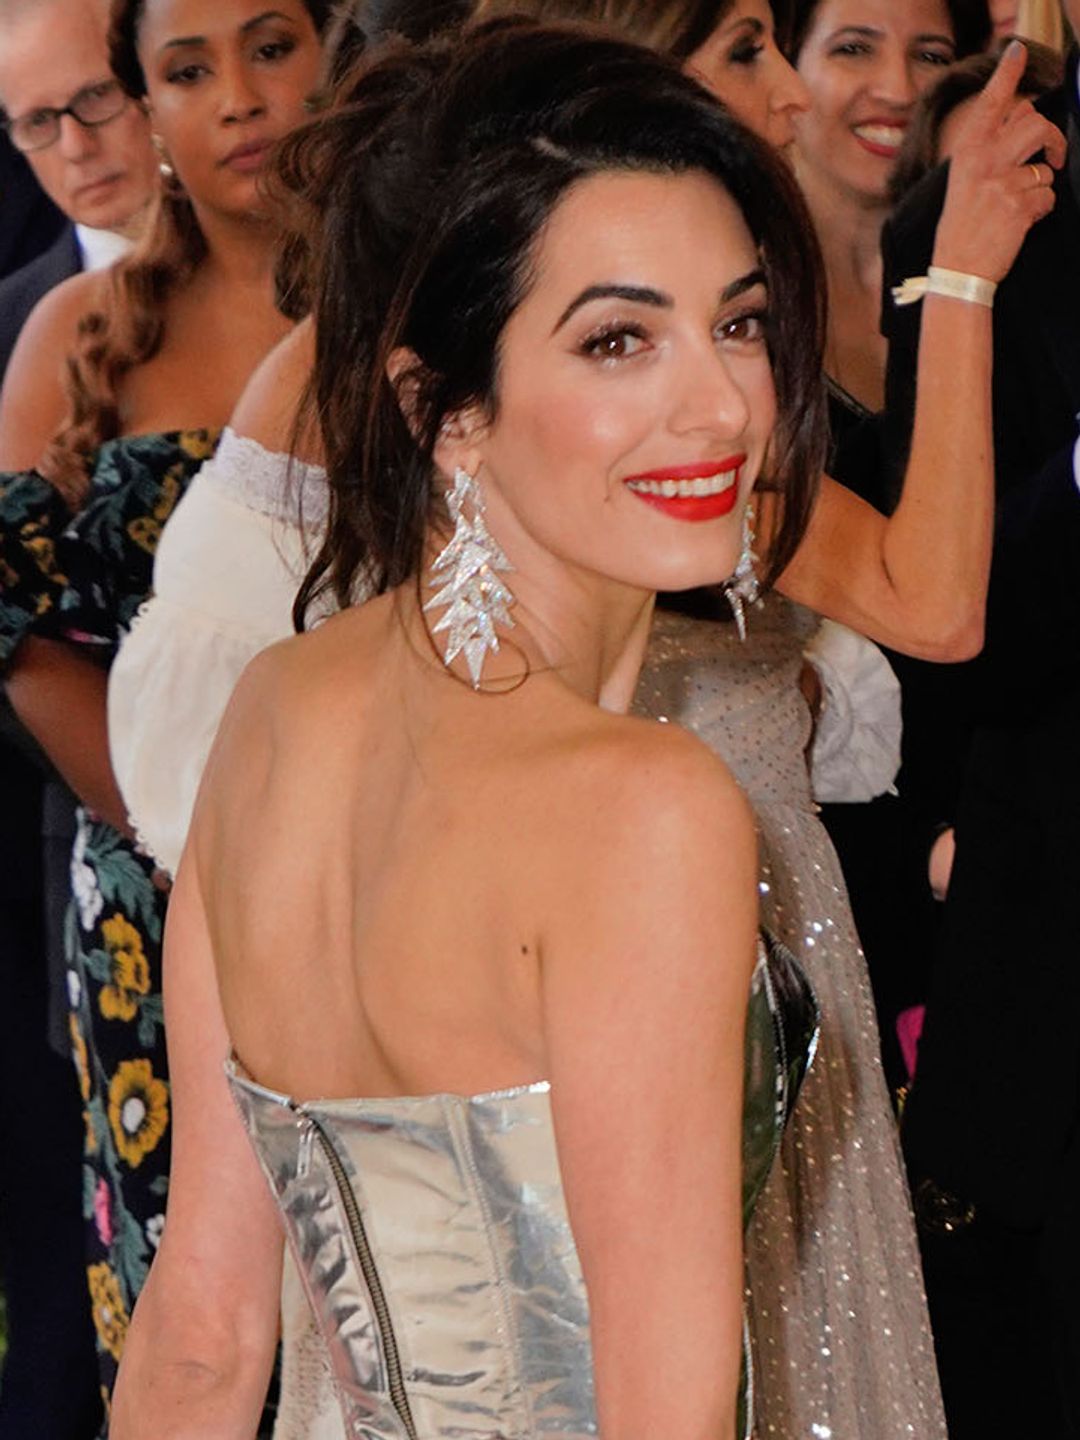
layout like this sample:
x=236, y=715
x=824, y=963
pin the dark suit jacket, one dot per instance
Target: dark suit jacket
x=994, y=743
x=20, y=292
x=29, y=221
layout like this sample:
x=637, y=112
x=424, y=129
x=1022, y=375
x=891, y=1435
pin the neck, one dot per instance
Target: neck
x=587, y=629
x=241, y=249
x=848, y=226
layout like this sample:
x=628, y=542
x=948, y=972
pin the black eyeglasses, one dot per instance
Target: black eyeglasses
x=93, y=105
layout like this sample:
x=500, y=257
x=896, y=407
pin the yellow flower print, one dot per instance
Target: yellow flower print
x=138, y=1110
x=43, y=550
x=78, y=1051
x=146, y=532
x=199, y=444
x=168, y=493
x=107, y=1305
x=130, y=972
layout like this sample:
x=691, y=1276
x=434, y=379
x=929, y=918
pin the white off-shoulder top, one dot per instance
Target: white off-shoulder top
x=227, y=570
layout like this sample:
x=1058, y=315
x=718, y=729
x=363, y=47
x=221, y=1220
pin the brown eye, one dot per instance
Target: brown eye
x=743, y=329
x=618, y=344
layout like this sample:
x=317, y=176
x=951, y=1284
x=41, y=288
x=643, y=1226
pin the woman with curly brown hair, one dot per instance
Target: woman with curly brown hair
x=116, y=393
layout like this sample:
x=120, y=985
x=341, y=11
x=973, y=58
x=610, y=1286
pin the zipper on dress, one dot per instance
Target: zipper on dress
x=312, y=1133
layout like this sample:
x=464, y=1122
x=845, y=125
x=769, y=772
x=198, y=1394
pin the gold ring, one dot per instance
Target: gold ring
x=1036, y=171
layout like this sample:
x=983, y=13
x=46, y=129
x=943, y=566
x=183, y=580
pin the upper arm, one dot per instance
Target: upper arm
x=645, y=987
x=33, y=400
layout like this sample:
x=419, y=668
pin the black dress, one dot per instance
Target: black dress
x=883, y=844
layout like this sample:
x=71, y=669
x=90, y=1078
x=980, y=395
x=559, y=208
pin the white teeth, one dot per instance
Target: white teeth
x=888, y=135
x=686, y=489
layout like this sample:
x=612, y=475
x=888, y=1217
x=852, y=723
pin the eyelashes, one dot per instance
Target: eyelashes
x=620, y=340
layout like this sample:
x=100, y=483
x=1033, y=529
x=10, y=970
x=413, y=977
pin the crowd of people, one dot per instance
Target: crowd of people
x=537, y=630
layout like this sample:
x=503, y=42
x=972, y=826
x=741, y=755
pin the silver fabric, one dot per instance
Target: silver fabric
x=841, y=1340
x=461, y=1239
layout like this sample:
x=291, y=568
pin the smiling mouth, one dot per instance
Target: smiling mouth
x=686, y=489
x=691, y=492
x=881, y=139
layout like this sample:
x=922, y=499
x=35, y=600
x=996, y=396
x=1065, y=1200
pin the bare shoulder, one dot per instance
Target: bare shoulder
x=639, y=773
x=267, y=410
x=33, y=402
x=286, y=694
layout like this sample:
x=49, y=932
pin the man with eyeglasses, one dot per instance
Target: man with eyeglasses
x=86, y=141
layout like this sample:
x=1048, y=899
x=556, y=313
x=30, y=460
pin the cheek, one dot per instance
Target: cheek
x=829, y=92
x=584, y=416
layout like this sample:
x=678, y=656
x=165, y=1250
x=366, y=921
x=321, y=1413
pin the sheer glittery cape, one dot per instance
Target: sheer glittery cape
x=841, y=1339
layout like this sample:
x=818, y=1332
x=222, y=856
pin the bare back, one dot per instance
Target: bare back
x=412, y=851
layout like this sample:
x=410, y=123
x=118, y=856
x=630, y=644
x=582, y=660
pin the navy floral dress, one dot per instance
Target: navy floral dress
x=82, y=579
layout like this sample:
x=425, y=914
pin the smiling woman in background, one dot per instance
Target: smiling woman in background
x=864, y=64
x=115, y=394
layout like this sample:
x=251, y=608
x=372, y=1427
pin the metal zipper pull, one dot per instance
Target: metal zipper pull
x=307, y=1139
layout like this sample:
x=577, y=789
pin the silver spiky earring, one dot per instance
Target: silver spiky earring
x=743, y=588
x=466, y=576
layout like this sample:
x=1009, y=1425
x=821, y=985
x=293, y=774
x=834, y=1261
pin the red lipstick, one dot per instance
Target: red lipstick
x=704, y=490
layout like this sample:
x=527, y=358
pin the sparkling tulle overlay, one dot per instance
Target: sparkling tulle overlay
x=842, y=1346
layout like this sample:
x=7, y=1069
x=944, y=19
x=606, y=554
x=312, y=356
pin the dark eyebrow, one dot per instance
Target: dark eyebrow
x=740, y=286
x=193, y=41
x=644, y=295
x=865, y=32
x=749, y=23
x=636, y=294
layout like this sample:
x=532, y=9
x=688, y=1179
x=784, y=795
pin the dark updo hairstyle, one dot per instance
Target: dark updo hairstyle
x=971, y=25
x=1044, y=71
x=672, y=27
x=424, y=199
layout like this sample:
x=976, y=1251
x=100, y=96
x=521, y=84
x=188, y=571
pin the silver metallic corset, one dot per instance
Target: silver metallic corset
x=432, y=1238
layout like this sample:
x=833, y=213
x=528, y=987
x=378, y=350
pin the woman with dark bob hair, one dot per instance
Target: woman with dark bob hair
x=567, y=317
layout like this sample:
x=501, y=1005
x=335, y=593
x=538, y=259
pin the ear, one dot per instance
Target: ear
x=460, y=442
x=460, y=435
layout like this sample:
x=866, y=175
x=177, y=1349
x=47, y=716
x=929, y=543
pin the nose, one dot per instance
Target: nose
x=77, y=142
x=240, y=96
x=893, y=82
x=709, y=399
x=790, y=95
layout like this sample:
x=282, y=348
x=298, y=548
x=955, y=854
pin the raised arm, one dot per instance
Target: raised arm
x=200, y=1349
x=917, y=580
x=645, y=986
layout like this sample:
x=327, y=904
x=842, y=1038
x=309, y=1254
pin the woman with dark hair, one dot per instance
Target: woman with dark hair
x=478, y=883
x=864, y=63
x=832, y=1249
x=116, y=393
x=834, y=1244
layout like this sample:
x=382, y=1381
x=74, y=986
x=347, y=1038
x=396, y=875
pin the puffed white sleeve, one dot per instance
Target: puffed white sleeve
x=856, y=751
x=226, y=573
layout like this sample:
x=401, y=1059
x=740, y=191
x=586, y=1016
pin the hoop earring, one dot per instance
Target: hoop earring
x=743, y=588
x=466, y=576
